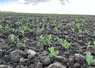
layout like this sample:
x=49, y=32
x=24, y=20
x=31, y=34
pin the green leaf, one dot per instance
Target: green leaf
x=94, y=43
x=89, y=59
x=1, y=27
x=51, y=49
x=89, y=43
x=49, y=36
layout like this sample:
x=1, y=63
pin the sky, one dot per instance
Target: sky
x=49, y=6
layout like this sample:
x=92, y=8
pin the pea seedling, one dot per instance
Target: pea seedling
x=55, y=29
x=7, y=27
x=89, y=58
x=42, y=29
x=1, y=27
x=94, y=43
x=53, y=53
x=25, y=28
x=12, y=37
x=24, y=41
x=43, y=39
x=88, y=43
x=66, y=44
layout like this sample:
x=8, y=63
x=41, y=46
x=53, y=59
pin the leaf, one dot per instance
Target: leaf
x=94, y=43
x=89, y=43
x=89, y=59
x=1, y=27
x=51, y=49
x=49, y=36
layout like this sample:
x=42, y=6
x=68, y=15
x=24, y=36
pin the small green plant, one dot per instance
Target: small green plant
x=55, y=29
x=78, y=25
x=7, y=27
x=46, y=39
x=94, y=43
x=1, y=27
x=53, y=53
x=24, y=41
x=80, y=31
x=88, y=44
x=89, y=59
x=25, y=28
x=73, y=29
x=22, y=32
x=18, y=23
x=12, y=37
x=42, y=29
x=66, y=44
x=13, y=29
x=43, y=39
x=59, y=40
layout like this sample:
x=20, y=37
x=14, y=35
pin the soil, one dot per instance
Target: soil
x=35, y=54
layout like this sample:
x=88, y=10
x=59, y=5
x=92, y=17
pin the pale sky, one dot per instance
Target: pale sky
x=53, y=6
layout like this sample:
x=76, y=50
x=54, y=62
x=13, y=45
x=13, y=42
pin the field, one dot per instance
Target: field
x=46, y=40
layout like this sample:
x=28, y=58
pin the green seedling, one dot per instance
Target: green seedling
x=24, y=41
x=53, y=53
x=18, y=23
x=13, y=29
x=17, y=39
x=7, y=27
x=66, y=44
x=1, y=27
x=89, y=44
x=55, y=29
x=42, y=29
x=49, y=37
x=22, y=32
x=73, y=29
x=80, y=31
x=89, y=59
x=25, y=28
x=12, y=37
x=43, y=39
x=46, y=40
x=79, y=27
x=59, y=40
x=94, y=43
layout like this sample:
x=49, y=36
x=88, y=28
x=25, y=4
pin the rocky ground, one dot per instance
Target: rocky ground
x=36, y=55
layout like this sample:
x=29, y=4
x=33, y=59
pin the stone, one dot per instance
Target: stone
x=71, y=60
x=56, y=65
x=20, y=66
x=31, y=52
x=79, y=58
x=61, y=59
x=24, y=61
x=3, y=66
x=76, y=65
x=46, y=60
x=20, y=46
x=16, y=55
x=39, y=65
x=1, y=52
